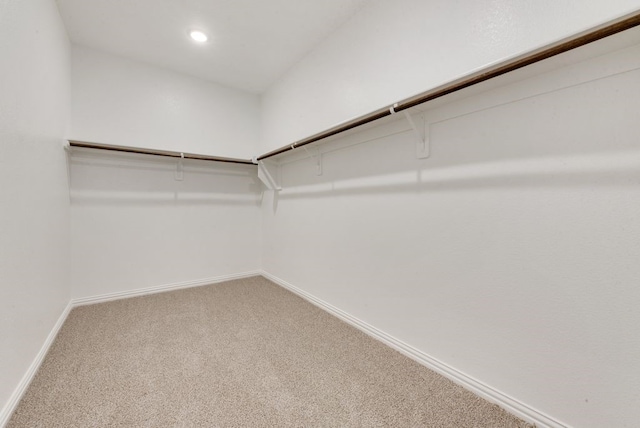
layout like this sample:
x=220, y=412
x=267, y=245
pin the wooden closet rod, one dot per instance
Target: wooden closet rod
x=154, y=152
x=565, y=45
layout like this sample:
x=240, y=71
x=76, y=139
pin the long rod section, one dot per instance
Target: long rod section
x=475, y=78
x=154, y=152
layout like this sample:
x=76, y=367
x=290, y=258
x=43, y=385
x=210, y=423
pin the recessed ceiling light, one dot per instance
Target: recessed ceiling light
x=198, y=36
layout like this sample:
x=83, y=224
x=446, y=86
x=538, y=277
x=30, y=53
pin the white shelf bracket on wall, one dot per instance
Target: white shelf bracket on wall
x=265, y=176
x=179, y=175
x=317, y=159
x=422, y=145
x=423, y=150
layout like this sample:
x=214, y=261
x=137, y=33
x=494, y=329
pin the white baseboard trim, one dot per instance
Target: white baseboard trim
x=15, y=398
x=508, y=403
x=101, y=298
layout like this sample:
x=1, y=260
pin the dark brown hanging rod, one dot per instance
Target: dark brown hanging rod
x=155, y=152
x=624, y=23
x=565, y=45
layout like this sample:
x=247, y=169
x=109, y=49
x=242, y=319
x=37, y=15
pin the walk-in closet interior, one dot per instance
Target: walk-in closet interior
x=340, y=213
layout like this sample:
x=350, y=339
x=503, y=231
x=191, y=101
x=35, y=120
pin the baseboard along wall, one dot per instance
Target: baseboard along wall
x=508, y=403
x=101, y=298
x=15, y=398
x=485, y=391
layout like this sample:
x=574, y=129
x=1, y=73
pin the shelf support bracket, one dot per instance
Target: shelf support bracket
x=179, y=175
x=317, y=159
x=422, y=144
x=265, y=176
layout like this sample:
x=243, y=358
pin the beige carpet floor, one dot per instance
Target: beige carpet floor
x=243, y=353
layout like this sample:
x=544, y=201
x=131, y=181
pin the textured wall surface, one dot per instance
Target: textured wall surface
x=34, y=198
x=510, y=254
x=124, y=102
x=391, y=50
x=135, y=226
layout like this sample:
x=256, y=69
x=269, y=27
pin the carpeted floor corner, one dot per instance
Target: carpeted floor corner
x=243, y=353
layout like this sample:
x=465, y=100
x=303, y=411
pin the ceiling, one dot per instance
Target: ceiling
x=251, y=42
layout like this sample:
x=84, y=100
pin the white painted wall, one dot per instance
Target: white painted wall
x=129, y=103
x=135, y=226
x=511, y=254
x=34, y=199
x=391, y=50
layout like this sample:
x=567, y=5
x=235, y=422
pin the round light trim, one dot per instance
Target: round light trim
x=198, y=36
